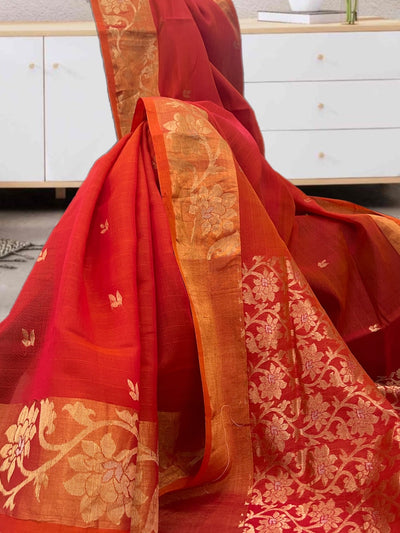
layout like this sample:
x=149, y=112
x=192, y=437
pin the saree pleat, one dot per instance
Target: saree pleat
x=80, y=358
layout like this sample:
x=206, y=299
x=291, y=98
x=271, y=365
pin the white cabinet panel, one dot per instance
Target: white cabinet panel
x=326, y=105
x=334, y=154
x=321, y=56
x=79, y=125
x=21, y=109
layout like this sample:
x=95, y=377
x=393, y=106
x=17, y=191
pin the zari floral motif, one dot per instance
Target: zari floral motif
x=104, y=480
x=100, y=460
x=132, y=41
x=19, y=437
x=212, y=210
x=116, y=6
x=323, y=446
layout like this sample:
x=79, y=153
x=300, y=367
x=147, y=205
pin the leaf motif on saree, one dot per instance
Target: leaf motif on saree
x=47, y=417
x=80, y=413
x=42, y=256
x=115, y=301
x=134, y=390
x=104, y=227
x=129, y=418
x=28, y=338
x=374, y=327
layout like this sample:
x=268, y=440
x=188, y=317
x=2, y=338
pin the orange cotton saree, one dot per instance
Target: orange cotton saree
x=167, y=366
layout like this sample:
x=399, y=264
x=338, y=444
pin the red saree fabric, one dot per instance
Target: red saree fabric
x=176, y=360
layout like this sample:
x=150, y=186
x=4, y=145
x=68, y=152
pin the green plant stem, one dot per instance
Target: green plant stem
x=351, y=11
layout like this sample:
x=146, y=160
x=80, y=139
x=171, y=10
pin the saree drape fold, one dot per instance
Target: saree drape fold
x=200, y=346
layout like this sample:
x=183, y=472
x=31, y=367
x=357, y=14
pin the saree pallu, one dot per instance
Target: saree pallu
x=191, y=50
x=168, y=368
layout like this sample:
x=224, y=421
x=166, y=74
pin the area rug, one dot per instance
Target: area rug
x=12, y=252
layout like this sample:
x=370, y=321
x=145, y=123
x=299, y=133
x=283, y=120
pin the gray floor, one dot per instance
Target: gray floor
x=31, y=226
x=27, y=216
x=31, y=216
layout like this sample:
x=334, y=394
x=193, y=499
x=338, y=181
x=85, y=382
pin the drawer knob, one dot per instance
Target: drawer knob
x=321, y=155
x=320, y=57
x=56, y=66
x=321, y=105
x=32, y=66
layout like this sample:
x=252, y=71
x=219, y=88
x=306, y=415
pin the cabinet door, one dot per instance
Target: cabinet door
x=21, y=109
x=79, y=125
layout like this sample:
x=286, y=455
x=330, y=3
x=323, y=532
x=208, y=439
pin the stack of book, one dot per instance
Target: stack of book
x=303, y=17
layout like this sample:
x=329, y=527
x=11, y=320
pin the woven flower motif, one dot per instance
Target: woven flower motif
x=347, y=371
x=377, y=521
x=272, y=383
x=304, y=315
x=115, y=7
x=269, y=333
x=276, y=431
x=369, y=469
x=104, y=481
x=326, y=515
x=324, y=464
x=278, y=489
x=274, y=524
x=188, y=124
x=361, y=418
x=19, y=437
x=317, y=411
x=312, y=361
x=266, y=286
x=213, y=209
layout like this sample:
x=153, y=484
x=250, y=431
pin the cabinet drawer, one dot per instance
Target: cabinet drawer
x=326, y=105
x=21, y=109
x=321, y=56
x=334, y=154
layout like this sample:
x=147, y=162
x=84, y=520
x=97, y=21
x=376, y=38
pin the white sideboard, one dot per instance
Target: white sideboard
x=55, y=117
x=326, y=98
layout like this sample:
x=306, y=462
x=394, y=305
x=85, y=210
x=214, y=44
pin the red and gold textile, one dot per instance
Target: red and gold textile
x=177, y=359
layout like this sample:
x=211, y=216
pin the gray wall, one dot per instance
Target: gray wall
x=24, y=10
